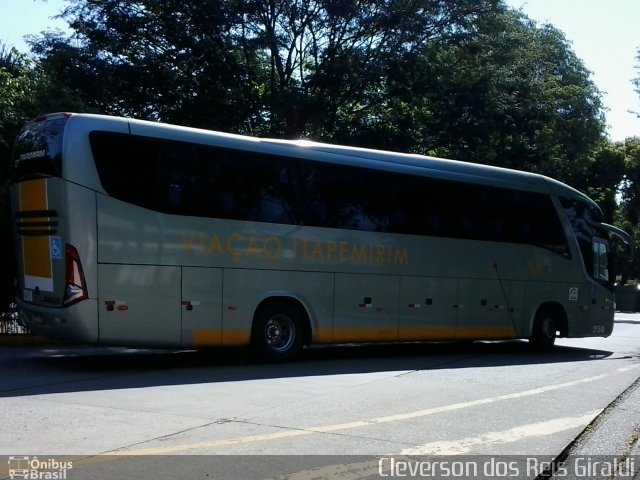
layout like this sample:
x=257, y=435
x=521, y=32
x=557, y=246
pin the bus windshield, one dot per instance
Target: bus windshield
x=586, y=222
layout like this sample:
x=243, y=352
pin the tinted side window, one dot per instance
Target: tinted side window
x=201, y=180
x=537, y=219
x=128, y=168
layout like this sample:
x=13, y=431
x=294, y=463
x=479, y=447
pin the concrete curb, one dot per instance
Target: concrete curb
x=612, y=434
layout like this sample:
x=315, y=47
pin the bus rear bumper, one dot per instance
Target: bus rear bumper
x=70, y=323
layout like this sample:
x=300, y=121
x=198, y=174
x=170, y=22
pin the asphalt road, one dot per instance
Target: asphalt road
x=346, y=412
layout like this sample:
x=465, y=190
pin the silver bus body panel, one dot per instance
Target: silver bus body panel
x=166, y=280
x=201, y=307
x=77, y=323
x=487, y=290
x=139, y=304
x=77, y=160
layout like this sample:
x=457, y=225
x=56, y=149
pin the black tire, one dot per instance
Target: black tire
x=543, y=336
x=277, y=333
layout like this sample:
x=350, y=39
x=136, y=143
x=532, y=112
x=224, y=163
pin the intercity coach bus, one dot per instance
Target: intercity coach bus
x=137, y=233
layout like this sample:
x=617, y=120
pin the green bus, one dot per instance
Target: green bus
x=136, y=233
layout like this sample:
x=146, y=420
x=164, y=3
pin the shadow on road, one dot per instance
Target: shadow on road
x=39, y=370
x=631, y=322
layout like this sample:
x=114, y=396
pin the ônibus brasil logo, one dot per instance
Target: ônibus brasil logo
x=37, y=469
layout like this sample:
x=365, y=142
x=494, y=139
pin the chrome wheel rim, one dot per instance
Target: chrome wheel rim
x=280, y=333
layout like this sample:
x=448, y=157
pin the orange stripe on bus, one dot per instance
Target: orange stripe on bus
x=323, y=335
x=235, y=337
x=364, y=334
x=209, y=337
x=36, y=250
x=342, y=335
x=206, y=337
x=428, y=333
x=485, y=333
x=37, y=262
x=33, y=195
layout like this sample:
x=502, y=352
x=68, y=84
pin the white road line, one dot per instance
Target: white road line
x=288, y=433
x=626, y=369
x=539, y=429
x=484, y=401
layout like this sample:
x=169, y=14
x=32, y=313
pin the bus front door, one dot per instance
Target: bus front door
x=601, y=305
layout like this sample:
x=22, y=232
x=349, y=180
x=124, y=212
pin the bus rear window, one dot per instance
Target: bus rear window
x=38, y=149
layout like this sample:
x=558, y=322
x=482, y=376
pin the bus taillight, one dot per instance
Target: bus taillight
x=75, y=289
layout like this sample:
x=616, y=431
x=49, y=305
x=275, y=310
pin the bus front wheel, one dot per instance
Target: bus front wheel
x=543, y=336
x=277, y=333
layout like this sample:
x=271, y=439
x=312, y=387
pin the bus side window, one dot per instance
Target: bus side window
x=175, y=196
x=601, y=260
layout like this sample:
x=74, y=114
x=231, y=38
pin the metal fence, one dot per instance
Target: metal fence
x=10, y=323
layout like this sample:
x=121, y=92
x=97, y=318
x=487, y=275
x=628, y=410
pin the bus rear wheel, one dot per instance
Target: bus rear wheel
x=543, y=336
x=277, y=332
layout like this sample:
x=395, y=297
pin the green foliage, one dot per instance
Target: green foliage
x=471, y=80
x=636, y=81
x=627, y=205
x=508, y=93
x=279, y=68
x=26, y=91
x=627, y=215
x=17, y=81
x=16, y=84
x=631, y=184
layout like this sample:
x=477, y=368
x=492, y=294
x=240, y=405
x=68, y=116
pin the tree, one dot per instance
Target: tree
x=469, y=80
x=280, y=67
x=507, y=93
x=628, y=214
x=16, y=83
x=332, y=57
x=636, y=81
x=161, y=60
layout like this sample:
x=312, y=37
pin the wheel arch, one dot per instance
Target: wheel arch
x=279, y=298
x=559, y=314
